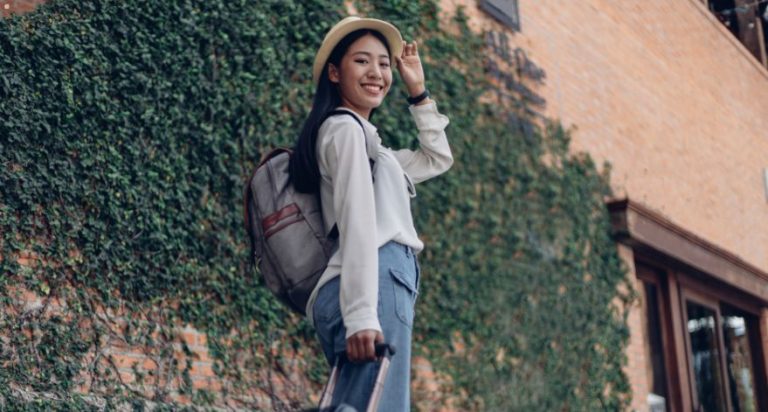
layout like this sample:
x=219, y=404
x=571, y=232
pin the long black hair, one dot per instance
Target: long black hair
x=305, y=173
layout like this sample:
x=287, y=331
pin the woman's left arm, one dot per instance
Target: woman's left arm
x=433, y=156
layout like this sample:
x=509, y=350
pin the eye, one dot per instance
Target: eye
x=361, y=61
x=385, y=64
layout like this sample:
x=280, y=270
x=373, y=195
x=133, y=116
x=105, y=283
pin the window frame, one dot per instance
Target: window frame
x=711, y=303
x=675, y=286
x=649, y=273
x=500, y=12
x=682, y=264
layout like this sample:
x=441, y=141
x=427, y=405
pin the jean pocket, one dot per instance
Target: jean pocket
x=418, y=273
x=405, y=295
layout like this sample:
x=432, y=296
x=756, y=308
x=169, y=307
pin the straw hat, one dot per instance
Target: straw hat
x=348, y=25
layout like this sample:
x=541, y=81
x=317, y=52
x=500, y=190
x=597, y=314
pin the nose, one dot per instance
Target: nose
x=375, y=72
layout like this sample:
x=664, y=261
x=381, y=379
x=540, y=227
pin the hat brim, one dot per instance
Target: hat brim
x=348, y=25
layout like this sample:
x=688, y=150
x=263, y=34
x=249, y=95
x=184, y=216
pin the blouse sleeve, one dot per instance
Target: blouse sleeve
x=344, y=156
x=433, y=156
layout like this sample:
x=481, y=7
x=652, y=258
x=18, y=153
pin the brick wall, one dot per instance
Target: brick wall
x=667, y=95
x=9, y=7
x=636, y=349
x=146, y=371
x=662, y=91
x=672, y=100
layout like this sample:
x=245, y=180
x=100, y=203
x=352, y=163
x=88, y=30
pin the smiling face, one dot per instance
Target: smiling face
x=364, y=75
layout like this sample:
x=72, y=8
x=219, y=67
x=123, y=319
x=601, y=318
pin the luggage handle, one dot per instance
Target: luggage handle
x=384, y=352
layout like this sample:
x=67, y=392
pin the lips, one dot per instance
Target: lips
x=373, y=88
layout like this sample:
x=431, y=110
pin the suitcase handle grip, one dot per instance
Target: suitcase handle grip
x=385, y=349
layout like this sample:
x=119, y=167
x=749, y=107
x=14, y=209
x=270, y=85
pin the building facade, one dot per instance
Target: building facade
x=674, y=95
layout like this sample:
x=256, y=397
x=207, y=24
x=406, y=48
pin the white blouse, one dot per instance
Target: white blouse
x=371, y=212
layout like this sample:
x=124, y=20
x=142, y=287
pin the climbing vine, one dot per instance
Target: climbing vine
x=128, y=130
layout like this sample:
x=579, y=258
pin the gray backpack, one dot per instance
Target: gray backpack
x=289, y=241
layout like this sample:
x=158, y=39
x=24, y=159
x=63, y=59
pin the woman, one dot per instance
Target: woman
x=368, y=290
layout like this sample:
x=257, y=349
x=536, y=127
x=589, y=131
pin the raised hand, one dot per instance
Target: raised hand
x=409, y=65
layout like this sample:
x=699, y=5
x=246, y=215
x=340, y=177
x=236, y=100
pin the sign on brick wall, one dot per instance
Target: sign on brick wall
x=513, y=73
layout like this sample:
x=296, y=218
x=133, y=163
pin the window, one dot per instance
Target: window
x=739, y=335
x=747, y=20
x=704, y=316
x=505, y=11
x=655, y=368
x=720, y=341
x=704, y=357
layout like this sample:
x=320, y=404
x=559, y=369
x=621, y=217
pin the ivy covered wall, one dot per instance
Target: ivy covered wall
x=128, y=129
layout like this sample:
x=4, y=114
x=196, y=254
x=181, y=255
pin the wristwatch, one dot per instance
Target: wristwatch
x=417, y=99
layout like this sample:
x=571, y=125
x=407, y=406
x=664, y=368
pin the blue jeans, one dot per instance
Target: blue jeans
x=398, y=289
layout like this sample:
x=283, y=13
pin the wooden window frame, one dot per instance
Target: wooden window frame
x=648, y=272
x=684, y=266
x=762, y=59
x=675, y=286
x=500, y=12
x=713, y=304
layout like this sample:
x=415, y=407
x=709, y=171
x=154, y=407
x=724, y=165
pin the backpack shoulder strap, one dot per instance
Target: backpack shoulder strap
x=348, y=113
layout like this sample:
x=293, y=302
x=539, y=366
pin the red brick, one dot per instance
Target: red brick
x=127, y=377
x=190, y=338
x=149, y=365
x=202, y=369
x=126, y=361
x=202, y=339
x=207, y=383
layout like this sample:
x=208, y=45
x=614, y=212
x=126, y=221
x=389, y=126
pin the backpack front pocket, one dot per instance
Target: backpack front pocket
x=296, y=251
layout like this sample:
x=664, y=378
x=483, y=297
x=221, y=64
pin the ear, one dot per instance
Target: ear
x=333, y=73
